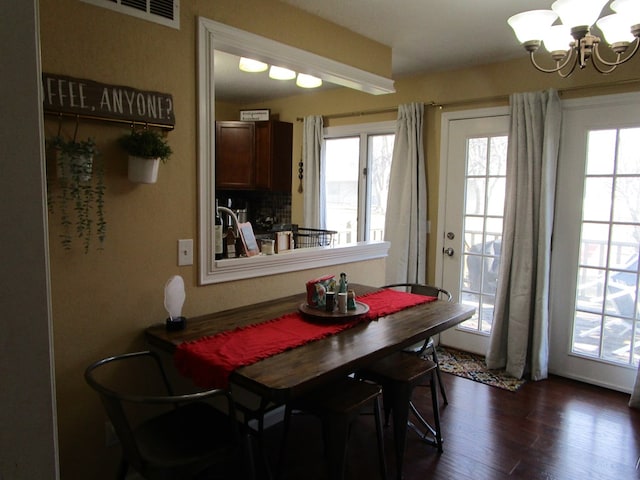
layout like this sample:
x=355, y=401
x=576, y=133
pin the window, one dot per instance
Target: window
x=164, y=12
x=485, y=183
x=356, y=167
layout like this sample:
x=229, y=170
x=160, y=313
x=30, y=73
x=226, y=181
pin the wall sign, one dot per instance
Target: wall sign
x=76, y=96
x=254, y=115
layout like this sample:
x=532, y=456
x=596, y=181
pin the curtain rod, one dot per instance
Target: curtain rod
x=561, y=91
x=356, y=114
x=471, y=101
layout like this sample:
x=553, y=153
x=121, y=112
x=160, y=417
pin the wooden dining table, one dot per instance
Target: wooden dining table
x=292, y=373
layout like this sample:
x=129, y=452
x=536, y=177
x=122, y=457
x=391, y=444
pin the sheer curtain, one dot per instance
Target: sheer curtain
x=406, y=218
x=519, y=337
x=313, y=186
x=634, y=401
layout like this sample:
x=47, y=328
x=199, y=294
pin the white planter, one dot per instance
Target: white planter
x=143, y=170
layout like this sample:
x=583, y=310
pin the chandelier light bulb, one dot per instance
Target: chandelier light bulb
x=532, y=25
x=578, y=13
x=629, y=9
x=558, y=39
x=615, y=28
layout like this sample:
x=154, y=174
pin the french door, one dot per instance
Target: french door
x=472, y=175
x=594, y=300
x=595, y=319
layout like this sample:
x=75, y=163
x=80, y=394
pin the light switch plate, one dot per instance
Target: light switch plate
x=185, y=252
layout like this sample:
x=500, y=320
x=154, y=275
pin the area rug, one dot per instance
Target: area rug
x=472, y=366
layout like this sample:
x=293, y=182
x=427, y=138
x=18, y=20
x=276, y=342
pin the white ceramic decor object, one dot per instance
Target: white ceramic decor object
x=174, y=296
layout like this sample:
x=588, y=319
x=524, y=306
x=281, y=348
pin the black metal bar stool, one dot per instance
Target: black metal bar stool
x=337, y=406
x=398, y=374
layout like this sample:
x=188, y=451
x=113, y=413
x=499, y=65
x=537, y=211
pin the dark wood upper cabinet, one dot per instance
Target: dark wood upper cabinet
x=235, y=155
x=254, y=155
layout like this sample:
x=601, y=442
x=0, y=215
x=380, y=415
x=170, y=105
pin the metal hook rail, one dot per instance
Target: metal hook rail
x=132, y=123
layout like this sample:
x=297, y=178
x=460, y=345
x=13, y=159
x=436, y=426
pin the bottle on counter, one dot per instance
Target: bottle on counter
x=230, y=241
x=217, y=237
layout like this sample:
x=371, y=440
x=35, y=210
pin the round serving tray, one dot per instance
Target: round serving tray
x=335, y=316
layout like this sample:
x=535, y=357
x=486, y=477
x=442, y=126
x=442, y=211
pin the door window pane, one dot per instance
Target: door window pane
x=597, y=199
x=477, y=157
x=483, y=220
x=593, y=244
x=475, y=198
x=601, y=152
x=607, y=286
x=628, y=155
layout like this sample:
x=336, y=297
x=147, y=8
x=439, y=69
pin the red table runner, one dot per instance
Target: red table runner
x=209, y=361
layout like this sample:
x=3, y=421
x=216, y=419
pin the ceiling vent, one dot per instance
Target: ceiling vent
x=164, y=12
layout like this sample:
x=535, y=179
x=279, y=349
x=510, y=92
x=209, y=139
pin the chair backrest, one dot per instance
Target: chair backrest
x=111, y=376
x=423, y=289
x=139, y=379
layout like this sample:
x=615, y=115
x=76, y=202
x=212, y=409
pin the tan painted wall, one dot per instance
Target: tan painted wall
x=102, y=301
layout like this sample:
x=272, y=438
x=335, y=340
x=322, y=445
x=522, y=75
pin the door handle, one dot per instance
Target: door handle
x=448, y=251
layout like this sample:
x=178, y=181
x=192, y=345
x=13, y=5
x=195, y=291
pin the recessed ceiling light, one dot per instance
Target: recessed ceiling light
x=252, y=66
x=308, y=81
x=280, y=73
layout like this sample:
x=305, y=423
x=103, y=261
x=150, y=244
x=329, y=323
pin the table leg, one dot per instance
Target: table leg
x=336, y=433
x=400, y=410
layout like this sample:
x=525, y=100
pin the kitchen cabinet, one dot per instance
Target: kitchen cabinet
x=254, y=155
x=235, y=155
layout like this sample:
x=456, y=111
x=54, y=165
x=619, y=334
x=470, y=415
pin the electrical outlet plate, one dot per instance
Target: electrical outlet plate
x=185, y=252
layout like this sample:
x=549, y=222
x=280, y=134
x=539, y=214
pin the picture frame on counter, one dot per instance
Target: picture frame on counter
x=249, y=241
x=284, y=241
x=259, y=115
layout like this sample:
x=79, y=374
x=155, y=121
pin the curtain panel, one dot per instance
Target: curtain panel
x=520, y=332
x=406, y=217
x=313, y=210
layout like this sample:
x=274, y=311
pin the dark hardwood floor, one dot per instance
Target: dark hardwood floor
x=554, y=429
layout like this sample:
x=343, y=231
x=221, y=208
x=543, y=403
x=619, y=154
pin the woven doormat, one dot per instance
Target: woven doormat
x=472, y=366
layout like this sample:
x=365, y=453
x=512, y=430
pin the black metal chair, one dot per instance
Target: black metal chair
x=337, y=406
x=399, y=373
x=164, y=435
x=428, y=348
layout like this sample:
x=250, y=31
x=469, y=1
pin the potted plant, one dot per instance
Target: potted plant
x=80, y=182
x=145, y=148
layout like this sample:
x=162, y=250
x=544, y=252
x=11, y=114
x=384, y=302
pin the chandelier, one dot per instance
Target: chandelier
x=572, y=43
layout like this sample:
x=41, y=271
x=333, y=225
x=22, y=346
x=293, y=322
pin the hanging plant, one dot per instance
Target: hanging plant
x=146, y=148
x=80, y=178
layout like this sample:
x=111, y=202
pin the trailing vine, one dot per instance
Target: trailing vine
x=80, y=177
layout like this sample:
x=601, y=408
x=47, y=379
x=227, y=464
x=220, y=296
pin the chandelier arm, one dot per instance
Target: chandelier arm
x=618, y=60
x=573, y=67
x=600, y=68
x=559, y=66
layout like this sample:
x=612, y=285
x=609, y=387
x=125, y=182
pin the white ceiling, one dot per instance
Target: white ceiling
x=428, y=35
